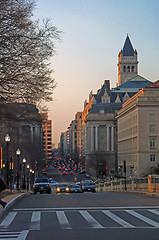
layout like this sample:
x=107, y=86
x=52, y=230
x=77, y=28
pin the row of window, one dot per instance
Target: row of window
x=128, y=69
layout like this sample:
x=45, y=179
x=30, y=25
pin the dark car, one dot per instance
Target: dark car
x=41, y=185
x=75, y=189
x=62, y=187
x=88, y=187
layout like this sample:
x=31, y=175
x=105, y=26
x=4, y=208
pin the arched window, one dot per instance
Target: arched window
x=124, y=69
x=128, y=68
x=132, y=69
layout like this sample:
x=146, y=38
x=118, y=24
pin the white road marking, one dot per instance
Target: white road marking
x=154, y=211
x=8, y=220
x=35, y=221
x=90, y=220
x=85, y=208
x=117, y=219
x=63, y=220
x=143, y=218
x=23, y=235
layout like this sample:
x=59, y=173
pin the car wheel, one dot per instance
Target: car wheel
x=35, y=192
x=49, y=192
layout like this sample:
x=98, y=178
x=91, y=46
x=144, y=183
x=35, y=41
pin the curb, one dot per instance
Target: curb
x=11, y=203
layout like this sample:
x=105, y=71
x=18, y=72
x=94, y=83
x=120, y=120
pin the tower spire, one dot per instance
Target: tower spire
x=127, y=62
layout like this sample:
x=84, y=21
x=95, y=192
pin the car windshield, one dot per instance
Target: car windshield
x=88, y=184
x=43, y=180
x=75, y=186
x=62, y=185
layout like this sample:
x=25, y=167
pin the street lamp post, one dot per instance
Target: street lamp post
x=18, y=153
x=7, y=139
x=24, y=185
x=28, y=177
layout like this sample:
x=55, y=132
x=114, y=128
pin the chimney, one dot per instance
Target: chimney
x=107, y=82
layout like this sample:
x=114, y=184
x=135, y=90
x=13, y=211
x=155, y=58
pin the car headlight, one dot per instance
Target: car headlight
x=58, y=189
x=67, y=189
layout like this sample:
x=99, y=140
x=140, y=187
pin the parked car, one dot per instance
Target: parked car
x=88, y=187
x=64, y=173
x=41, y=185
x=62, y=187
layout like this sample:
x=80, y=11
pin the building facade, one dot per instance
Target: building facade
x=99, y=132
x=138, y=134
x=23, y=123
x=47, y=136
x=127, y=62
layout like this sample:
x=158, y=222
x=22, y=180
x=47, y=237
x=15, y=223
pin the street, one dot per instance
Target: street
x=73, y=216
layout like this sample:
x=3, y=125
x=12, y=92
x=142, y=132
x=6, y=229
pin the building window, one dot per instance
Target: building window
x=152, y=116
x=128, y=68
x=132, y=69
x=152, y=128
x=101, y=111
x=152, y=158
x=152, y=143
x=124, y=69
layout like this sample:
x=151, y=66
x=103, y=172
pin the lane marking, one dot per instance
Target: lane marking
x=117, y=219
x=90, y=220
x=143, y=218
x=35, y=221
x=63, y=220
x=85, y=208
x=8, y=220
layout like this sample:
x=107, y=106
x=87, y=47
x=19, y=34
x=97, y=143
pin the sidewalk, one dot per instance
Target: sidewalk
x=10, y=199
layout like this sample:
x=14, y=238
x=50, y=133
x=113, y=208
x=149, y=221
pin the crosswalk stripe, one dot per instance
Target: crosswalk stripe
x=90, y=219
x=8, y=220
x=63, y=220
x=117, y=219
x=154, y=211
x=143, y=218
x=23, y=235
x=35, y=221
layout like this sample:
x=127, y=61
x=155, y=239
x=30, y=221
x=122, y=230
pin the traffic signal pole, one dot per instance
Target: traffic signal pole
x=125, y=174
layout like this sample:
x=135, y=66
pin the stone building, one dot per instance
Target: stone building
x=99, y=123
x=23, y=123
x=127, y=62
x=47, y=136
x=138, y=132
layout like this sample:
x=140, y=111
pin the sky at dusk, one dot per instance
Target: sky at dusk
x=94, y=31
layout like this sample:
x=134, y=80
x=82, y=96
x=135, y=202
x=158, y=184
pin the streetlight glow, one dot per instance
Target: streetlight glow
x=7, y=138
x=18, y=151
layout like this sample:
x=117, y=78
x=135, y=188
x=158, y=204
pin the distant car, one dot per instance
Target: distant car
x=82, y=172
x=98, y=182
x=53, y=183
x=62, y=187
x=87, y=175
x=71, y=173
x=88, y=187
x=75, y=189
x=64, y=173
x=41, y=185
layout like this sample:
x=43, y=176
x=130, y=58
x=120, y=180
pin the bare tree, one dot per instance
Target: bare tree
x=26, y=46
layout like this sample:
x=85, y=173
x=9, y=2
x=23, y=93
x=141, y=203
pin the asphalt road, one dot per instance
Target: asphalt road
x=82, y=216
